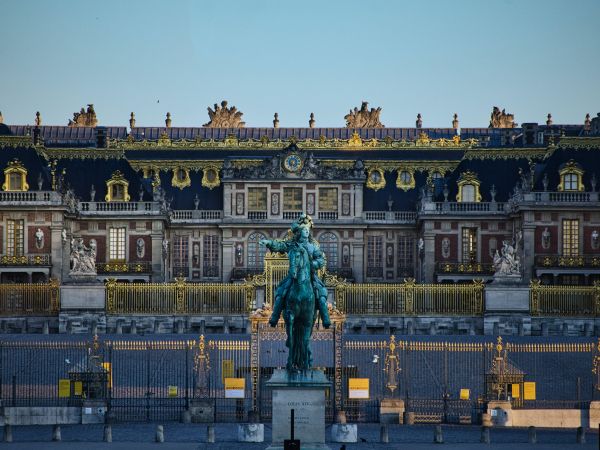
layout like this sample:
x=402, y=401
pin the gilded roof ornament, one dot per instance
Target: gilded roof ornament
x=224, y=117
x=84, y=118
x=363, y=117
x=501, y=119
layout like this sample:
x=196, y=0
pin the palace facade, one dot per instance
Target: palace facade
x=434, y=204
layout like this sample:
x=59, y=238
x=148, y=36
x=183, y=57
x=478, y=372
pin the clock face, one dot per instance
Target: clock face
x=292, y=163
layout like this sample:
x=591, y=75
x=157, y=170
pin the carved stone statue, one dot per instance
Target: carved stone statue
x=507, y=262
x=445, y=248
x=546, y=239
x=140, y=248
x=39, y=239
x=595, y=240
x=301, y=294
x=40, y=181
x=501, y=119
x=63, y=235
x=84, y=118
x=92, y=193
x=224, y=117
x=165, y=249
x=363, y=118
x=83, y=259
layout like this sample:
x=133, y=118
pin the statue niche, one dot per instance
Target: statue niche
x=224, y=117
x=501, y=119
x=363, y=118
x=84, y=118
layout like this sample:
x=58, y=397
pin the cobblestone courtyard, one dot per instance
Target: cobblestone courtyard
x=188, y=437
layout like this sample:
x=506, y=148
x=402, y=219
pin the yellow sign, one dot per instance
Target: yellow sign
x=235, y=387
x=108, y=367
x=529, y=390
x=64, y=387
x=172, y=391
x=78, y=388
x=358, y=388
x=226, y=369
x=516, y=391
x=465, y=394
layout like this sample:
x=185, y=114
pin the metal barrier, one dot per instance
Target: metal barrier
x=29, y=299
x=564, y=300
x=410, y=298
x=178, y=298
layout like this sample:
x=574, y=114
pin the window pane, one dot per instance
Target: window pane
x=570, y=232
x=211, y=256
x=116, y=239
x=375, y=256
x=257, y=199
x=15, y=182
x=180, y=256
x=469, y=244
x=14, y=238
x=468, y=193
x=329, y=245
x=406, y=245
x=256, y=252
x=328, y=199
x=292, y=199
x=570, y=182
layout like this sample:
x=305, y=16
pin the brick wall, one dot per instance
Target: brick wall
x=553, y=248
x=32, y=248
x=453, y=247
x=133, y=248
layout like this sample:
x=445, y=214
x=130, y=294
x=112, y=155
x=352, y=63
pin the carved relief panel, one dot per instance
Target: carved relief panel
x=239, y=203
x=345, y=204
x=275, y=204
x=310, y=204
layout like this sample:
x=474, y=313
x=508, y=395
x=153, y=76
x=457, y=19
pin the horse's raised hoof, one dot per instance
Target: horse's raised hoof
x=326, y=324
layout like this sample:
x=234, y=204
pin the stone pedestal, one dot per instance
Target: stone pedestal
x=594, y=414
x=344, y=432
x=305, y=393
x=500, y=412
x=202, y=410
x=391, y=411
x=82, y=278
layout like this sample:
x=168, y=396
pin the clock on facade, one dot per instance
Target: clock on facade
x=293, y=163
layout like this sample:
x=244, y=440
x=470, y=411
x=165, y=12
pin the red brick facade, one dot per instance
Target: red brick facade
x=133, y=248
x=32, y=248
x=453, y=257
x=553, y=247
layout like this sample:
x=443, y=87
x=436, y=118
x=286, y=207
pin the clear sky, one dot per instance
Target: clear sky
x=435, y=57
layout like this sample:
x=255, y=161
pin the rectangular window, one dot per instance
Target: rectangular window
x=570, y=182
x=328, y=199
x=15, y=182
x=14, y=238
x=570, y=240
x=211, y=256
x=116, y=244
x=375, y=256
x=118, y=192
x=257, y=199
x=469, y=244
x=180, y=256
x=406, y=250
x=292, y=199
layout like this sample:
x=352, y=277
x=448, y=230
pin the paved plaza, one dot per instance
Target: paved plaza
x=188, y=437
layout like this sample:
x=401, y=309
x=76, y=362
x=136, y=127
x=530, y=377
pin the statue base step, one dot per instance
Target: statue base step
x=304, y=392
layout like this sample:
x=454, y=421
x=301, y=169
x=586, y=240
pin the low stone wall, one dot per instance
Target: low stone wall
x=41, y=415
x=551, y=418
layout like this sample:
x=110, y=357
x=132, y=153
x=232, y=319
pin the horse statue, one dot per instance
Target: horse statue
x=301, y=295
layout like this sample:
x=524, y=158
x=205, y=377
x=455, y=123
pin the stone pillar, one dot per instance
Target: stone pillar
x=528, y=251
x=500, y=412
x=59, y=254
x=226, y=200
x=227, y=250
x=428, y=263
x=358, y=200
x=158, y=270
x=358, y=261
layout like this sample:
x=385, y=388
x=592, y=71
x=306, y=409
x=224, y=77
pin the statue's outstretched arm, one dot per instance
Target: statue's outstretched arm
x=275, y=245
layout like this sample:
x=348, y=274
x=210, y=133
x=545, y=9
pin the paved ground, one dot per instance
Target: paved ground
x=192, y=437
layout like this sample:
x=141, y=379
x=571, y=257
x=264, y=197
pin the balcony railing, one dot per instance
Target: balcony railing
x=462, y=208
x=328, y=215
x=123, y=267
x=197, y=215
x=561, y=197
x=410, y=299
x=116, y=207
x=36, y=299
x=179, y=298
x=465, y=268
x=31, y=196
x=291, y=215
x=583, y=261
x=257, y=215
x=25, y=260
x=390, y=216
x=564, y=300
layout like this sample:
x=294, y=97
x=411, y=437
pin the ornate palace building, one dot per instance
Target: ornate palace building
x=153, y=204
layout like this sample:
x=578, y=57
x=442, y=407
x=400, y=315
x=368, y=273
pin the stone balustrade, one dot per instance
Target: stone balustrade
x=116, y=208
x=42, y=197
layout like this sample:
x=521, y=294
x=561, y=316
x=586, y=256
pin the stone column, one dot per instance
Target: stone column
x=358, y=261
x=528, y=252
x=59, y=254
x=227, y=250
x=226, y=200
x=358, y=200
x=158, y=270
x=428, y=263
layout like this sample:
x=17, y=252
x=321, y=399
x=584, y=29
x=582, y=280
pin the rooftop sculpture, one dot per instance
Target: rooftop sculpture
x=501, y=119
x=84, y=118
x=363, y=118
x=224, y=117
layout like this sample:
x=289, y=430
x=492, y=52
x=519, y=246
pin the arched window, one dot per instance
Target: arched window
x=468, y=193
x=15, y=177
x=468, y=187
x=571, y=177
x=256, y=252
x=329, y=245
x=116, y=188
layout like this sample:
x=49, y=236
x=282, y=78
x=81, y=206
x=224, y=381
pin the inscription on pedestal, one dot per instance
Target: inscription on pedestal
x=309, y=410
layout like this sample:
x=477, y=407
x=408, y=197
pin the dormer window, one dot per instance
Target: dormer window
x=468, y=188
x=117, y=188
x=15, y=177
x=571, y=177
